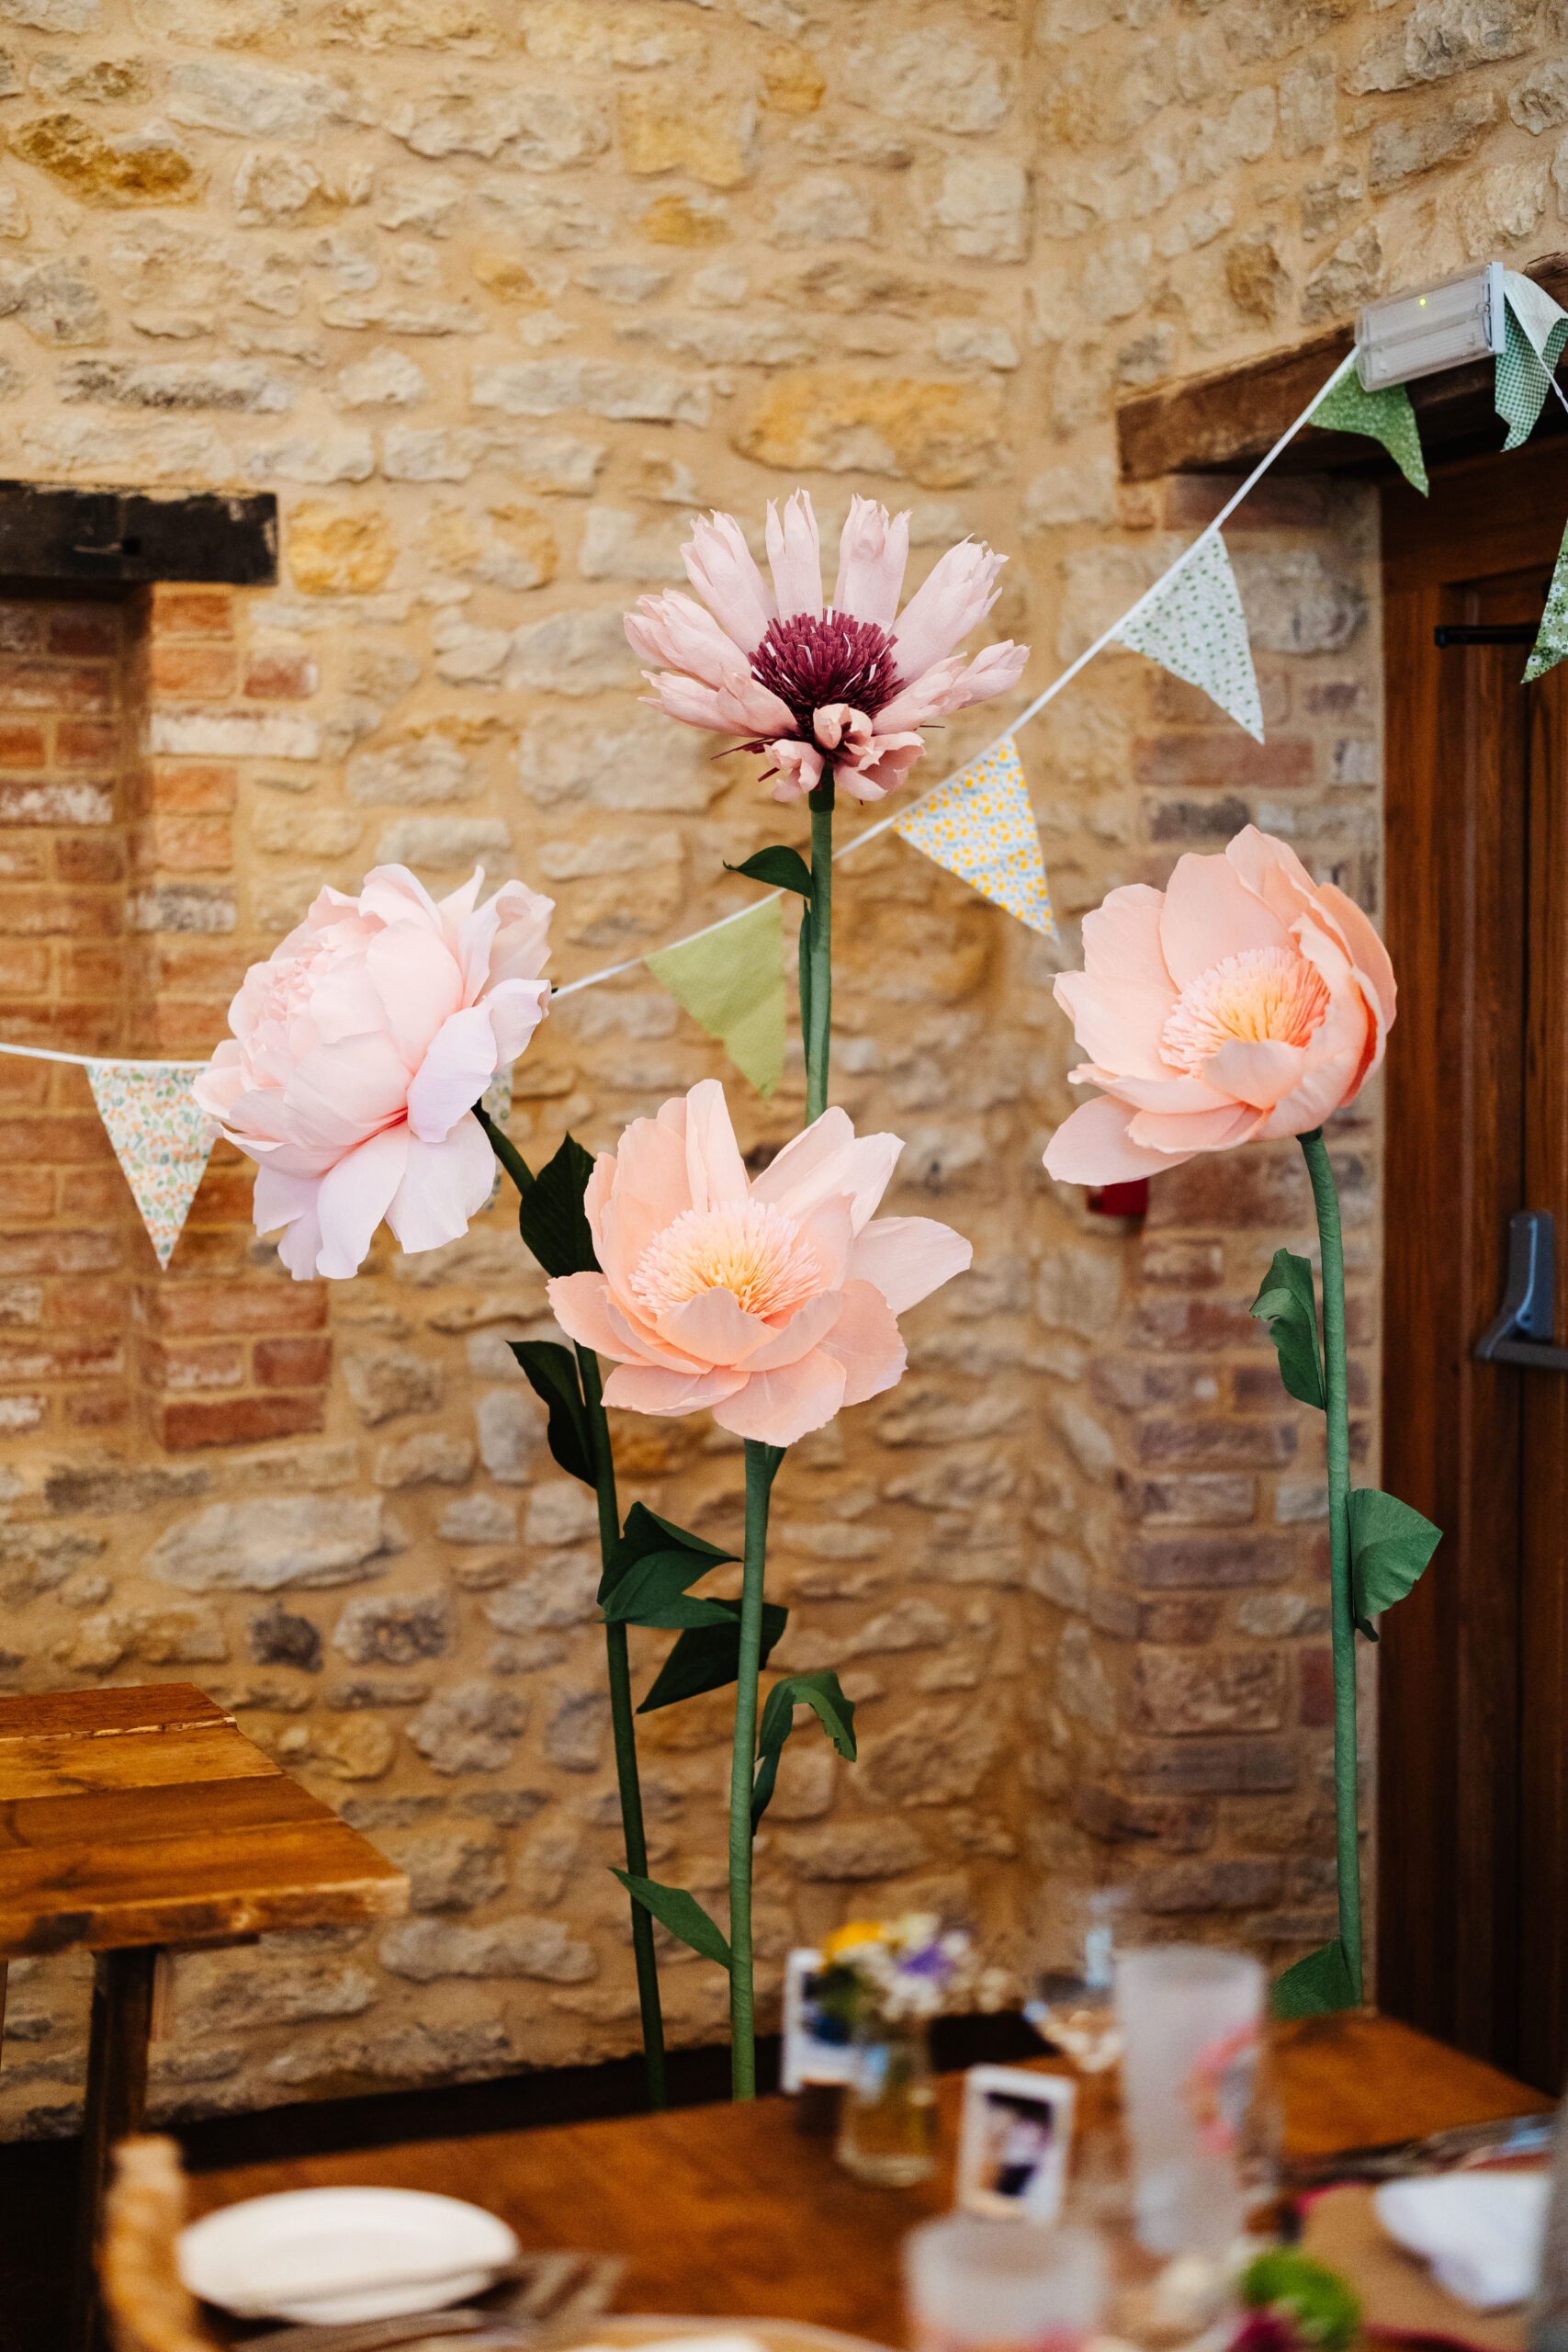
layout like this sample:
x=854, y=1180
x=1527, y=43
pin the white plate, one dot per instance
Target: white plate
x=343, y=2254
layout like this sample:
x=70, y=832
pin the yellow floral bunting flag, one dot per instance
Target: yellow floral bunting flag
x=980, y=826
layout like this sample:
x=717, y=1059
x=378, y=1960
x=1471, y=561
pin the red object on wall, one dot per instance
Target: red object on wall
x=1122, y=1199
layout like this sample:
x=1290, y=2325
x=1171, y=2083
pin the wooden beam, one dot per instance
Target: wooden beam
x=1226, y=422
x=123, y=538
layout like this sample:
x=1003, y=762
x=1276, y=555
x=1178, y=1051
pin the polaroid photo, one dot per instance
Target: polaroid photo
x=1012, y=2155
x=817, y=2047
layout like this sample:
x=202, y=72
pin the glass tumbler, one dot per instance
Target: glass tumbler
x=1192, y=2018
x=975, y=2284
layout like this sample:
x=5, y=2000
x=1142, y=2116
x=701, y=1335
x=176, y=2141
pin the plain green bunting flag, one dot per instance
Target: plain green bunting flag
x=1193, y=625
x=732, y=980
x=1552, y=638
x=980, y=826
x=1535, y=331
x=1386, y=415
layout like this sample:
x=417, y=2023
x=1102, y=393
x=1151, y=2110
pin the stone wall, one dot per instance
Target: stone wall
x=493, y=297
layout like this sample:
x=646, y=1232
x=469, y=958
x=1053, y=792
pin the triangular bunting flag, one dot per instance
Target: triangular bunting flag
x=162, y=1138
x=732, y=980
x=1386, y=415
x=980, y=826
x=1193, y=625
x=1552, y=638
x=1537, y=328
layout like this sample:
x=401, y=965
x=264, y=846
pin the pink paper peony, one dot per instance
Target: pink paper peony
x=773, y=1302
x=1245, y=1001
x=363, y=1044
x=844, y=690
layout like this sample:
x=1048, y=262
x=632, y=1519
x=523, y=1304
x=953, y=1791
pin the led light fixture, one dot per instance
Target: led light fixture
x=1420, y=335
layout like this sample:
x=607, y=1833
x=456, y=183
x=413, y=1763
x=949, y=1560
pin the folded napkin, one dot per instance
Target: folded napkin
x=1480, y=2232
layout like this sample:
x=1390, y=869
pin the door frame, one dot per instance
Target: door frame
x=1457, y=754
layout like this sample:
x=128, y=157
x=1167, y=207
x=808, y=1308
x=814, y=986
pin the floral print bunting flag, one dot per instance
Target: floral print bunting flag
x=980, y=826
x=162, y=1138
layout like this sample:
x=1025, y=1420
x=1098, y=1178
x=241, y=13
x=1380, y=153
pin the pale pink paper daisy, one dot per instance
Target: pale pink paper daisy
x=773, y=1301
x=840, y=693
x=360, y=1047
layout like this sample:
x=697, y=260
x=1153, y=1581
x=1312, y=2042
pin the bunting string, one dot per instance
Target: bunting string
x=977, y=821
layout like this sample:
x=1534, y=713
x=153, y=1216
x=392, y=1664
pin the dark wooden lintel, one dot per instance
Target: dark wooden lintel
x=127, y=538
x=1224, y=423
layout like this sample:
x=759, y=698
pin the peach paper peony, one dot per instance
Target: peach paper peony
x=360, y=1049
x=1245, y=1001
x=773, y=1302
x=844, y=689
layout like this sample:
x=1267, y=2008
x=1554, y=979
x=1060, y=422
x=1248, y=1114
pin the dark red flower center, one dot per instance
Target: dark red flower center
x=812, y=659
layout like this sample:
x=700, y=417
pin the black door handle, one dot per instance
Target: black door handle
x=1520, y=1331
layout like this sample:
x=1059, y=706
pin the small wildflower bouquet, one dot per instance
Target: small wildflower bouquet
x=902, y=1971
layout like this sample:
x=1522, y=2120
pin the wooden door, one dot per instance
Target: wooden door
x=1472, y=1834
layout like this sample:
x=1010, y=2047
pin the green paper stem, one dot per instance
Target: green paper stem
x=820, y=804
x=619, y=1665
x=506, y=1151
x=1325, y=1200
x=761, y=1461
x=624, y=1735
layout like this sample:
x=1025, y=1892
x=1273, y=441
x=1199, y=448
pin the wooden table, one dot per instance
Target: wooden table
x=729, y=2211
x=135, y=1821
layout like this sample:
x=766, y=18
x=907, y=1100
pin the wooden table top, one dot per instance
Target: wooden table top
x=730, y=2213
x=143, y=1816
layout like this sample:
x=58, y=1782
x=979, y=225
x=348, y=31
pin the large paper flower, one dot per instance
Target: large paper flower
x=773, y=1302
x=844, y=690
x=1245, y=1001
x=360, y=1049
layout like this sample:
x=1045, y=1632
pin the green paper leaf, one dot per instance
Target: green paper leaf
x=1389, y=1547
x=784, y=869
x=707, y=1656
x=551, y=1217
x=551, y=1371
x=1287, y=1304
x=681, y=1913
x=1315, y=1986
x=731, y=979
x=654, y=1593
x=822, y=1694
x=644, y=1536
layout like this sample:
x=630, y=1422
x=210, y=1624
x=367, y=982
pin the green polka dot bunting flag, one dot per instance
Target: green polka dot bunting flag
x=1193, y=625
x=1552, y=638
x=161, y=1137
x=979, y=825
x=1386, y=415
x=1535, y=331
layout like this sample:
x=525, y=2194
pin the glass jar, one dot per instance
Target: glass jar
x=887, y=2124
